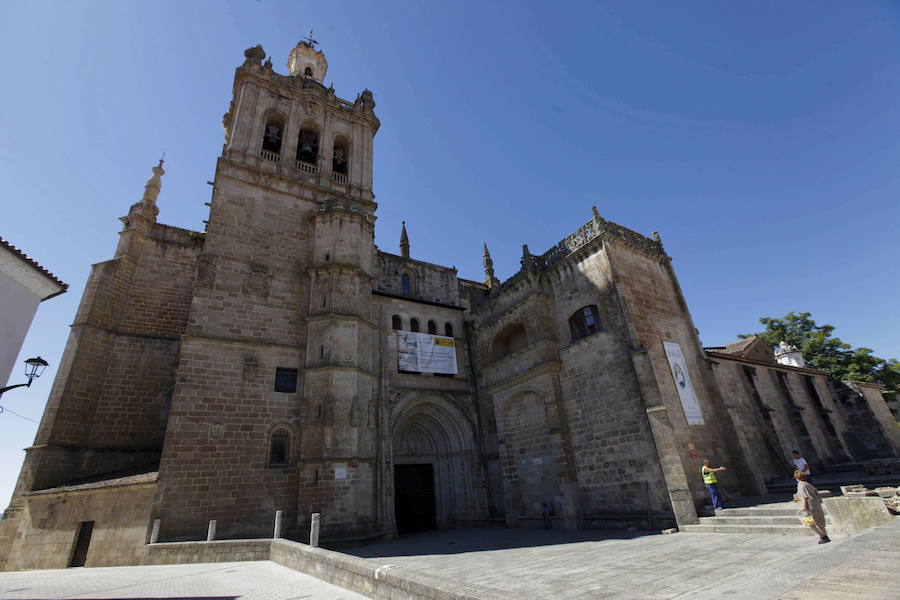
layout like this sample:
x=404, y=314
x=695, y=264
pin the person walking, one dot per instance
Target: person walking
x=813, y=513
x=712, y=484
x=801, y=465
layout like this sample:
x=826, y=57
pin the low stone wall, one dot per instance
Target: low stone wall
x=386, y=582
x=179, y=553
x=854, y=514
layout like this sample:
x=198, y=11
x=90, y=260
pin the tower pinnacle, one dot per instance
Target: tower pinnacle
x=490, y=279
x=404, y=242
x=154, y=184
x=306, y=61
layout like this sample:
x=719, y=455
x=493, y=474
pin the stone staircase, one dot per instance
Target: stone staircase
x=778, y=519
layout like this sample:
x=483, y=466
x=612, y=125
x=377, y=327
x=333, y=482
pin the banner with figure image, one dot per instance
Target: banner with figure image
x=689, y=401
x=426, y=353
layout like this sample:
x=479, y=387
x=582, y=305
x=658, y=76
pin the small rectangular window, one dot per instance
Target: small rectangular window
x=285, y=380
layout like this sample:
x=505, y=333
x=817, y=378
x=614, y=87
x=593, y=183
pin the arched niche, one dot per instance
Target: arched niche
x=510, y=339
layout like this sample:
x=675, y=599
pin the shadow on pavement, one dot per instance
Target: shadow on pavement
x=456, y=541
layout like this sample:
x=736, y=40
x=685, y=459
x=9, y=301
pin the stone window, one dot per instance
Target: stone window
x=273, y=133
x=308, y=146
x=340, y=156
x=414, y=325
x=448, y=329
x=405, y=283
x=308, y=72
x=396, y=323
x=432, y=327
x=278, y=449
x=285, y=380
x=584, y=322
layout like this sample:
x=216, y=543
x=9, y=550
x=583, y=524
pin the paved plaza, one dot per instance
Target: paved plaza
x=261, y=580
x=534, y=563
x=589, y=565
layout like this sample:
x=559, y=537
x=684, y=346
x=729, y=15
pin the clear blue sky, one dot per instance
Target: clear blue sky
x=761, y=141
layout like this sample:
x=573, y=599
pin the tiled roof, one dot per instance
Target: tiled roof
x=34, y=264
x=98, y=485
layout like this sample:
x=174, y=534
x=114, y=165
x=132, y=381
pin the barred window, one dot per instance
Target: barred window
x=584, y=322
x=285, y=380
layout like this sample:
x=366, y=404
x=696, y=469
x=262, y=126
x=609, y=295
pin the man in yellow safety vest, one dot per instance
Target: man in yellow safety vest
x=712, y=484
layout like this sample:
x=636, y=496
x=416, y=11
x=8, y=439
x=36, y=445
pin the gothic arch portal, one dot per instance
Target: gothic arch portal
x=432, y=438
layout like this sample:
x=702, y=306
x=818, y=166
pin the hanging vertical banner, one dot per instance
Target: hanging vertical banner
x=426, y=353
x=689, y=402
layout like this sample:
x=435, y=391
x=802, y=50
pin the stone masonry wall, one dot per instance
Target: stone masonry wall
x=615, y=456
x=215, y=463
x=658, y=313
x=49, y=526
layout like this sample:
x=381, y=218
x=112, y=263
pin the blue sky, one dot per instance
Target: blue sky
x=760, y=140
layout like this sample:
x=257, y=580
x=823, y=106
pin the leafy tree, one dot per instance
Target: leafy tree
x=823, y=351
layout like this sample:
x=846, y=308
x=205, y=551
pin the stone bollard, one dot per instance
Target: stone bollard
x=211, y=532
x=314, y=531
x=277, y=533
x=154, y=533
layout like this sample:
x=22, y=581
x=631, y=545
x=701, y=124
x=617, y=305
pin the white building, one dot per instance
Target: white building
x=23, y=285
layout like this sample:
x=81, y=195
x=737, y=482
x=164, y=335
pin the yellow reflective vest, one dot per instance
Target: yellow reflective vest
x=708, y=476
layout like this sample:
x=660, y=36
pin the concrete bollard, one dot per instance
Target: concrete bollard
x=277, y=533
x=154, y=533
x=314, y=531
x=211, y=532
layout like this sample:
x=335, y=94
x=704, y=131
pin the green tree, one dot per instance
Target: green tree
x=823, y=351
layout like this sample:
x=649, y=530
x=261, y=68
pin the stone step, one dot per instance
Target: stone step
x=786, y=511
x=797, y=529
x=755, y=521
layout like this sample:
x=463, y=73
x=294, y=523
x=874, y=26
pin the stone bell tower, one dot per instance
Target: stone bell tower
x=272, y=408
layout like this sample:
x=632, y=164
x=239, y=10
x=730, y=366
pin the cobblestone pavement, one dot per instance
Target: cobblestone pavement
x=261, y=580
x=582, y=565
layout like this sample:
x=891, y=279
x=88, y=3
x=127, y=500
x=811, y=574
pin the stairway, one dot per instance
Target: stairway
x=777, y=518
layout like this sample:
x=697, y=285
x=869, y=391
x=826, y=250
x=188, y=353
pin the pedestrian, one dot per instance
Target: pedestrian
x=801, y=465
x=813, y=514
x=546, y=515
x=712, y=484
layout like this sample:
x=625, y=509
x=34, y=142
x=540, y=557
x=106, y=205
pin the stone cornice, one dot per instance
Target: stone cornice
x=334, y=316
x=416, y=300
x=547, y=367
x=305, y=89
x=230, y=168
x=336, y=367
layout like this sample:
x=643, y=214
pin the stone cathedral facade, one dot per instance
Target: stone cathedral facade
x=254, y=367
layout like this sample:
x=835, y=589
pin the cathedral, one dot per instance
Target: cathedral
x=280, y=361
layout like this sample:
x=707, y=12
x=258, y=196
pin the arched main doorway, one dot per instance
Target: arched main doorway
x=434, y=464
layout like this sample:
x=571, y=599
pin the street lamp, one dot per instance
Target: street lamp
x=34, y=367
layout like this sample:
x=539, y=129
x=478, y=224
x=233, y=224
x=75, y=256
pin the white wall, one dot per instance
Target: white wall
x=17, y=308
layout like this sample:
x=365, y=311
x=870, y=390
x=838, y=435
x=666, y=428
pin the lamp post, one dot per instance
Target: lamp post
x=34, y=367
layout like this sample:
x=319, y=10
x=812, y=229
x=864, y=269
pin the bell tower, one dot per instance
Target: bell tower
x=276, y=374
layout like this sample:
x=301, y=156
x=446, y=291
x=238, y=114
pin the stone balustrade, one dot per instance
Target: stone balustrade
x=269, y=156
x=307, y=167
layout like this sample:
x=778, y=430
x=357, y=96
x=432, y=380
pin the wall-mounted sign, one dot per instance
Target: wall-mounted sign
x=689, y=402
x=426, y=353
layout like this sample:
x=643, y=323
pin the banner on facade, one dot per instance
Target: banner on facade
x=689, y=402
x=426, y=353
